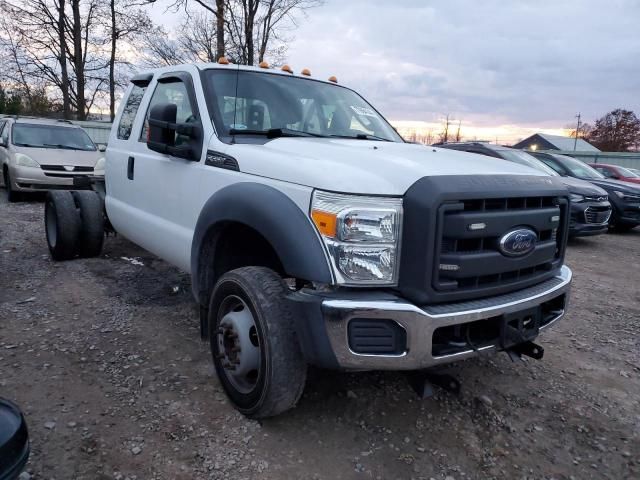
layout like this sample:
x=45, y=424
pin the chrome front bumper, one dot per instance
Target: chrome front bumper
x=420, y=323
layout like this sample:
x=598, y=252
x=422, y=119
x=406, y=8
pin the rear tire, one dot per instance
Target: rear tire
x=62, y=225
x=254, y=346
x=91, y=235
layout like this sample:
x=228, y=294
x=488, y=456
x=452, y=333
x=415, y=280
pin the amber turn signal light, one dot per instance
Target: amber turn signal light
x=326, y=222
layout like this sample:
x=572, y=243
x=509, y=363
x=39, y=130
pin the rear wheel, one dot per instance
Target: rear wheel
x=253, y=342
x=62, y=225
x=91, y=235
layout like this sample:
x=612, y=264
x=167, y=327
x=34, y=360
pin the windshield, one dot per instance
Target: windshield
x=525, y=159
x=258, y=103
x=625, y=172
x=51, y=136
x=580, y=169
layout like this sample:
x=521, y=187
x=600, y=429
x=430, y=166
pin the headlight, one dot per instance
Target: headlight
x=577, y=198
x=362, y=235
x=627, y=197
x=26, y=161
x=99, y=164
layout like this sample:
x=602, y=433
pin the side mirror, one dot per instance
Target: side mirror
x=3, y=143
x=14, y=441
x=102, y=147
x=164, y=132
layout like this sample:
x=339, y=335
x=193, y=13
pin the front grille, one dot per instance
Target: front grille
x=595, y=214
x=469, y=231
x=60, y=168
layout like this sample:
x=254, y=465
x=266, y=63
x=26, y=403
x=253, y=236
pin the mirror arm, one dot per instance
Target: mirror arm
x=180, y=152
x=180, y=128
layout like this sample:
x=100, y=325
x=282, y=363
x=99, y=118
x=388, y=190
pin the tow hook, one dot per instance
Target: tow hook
x=529, y=349
x=423, y=382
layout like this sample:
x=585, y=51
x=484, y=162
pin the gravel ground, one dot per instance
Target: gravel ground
x=104, y=356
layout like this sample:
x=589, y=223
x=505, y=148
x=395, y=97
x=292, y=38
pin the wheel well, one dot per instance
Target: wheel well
x=231, y=245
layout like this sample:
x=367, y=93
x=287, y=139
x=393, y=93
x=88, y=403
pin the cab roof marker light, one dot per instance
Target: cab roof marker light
x=333, y=79
x=286, y=68
x=223, y=61
x=263, y=64
x=306, y=72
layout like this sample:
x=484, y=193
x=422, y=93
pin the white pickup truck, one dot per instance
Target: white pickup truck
x=315, y=235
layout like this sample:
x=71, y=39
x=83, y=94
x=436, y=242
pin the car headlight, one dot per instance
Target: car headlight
x=627, y=197
x=26, y=161
x=577, y=198
x=99, y=164
x=362, y=235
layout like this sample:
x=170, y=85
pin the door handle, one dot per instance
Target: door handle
x=130, y=167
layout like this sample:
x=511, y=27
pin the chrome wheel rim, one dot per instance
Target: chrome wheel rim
x=238, y=344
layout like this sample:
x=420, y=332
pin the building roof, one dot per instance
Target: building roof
x=557, y=142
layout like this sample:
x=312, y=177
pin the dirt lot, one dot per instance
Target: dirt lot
x=104, y=356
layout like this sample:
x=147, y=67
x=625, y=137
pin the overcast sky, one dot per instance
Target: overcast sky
x=532, y=63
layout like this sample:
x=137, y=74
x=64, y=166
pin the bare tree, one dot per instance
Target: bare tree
x=458, y=137
x=617, y=131
x=217, y=8
x=60, y=45
x=196, y=42
x=444, y=135
x=585, y=130
x=254, y=25
x=125, y=22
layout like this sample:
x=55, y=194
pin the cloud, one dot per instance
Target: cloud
x=490, y=62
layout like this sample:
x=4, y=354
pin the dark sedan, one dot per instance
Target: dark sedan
x=590, y=208
x=624, y=197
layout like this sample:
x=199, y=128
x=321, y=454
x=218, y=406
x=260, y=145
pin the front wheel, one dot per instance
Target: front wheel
x=12, y=195
x=255, y=350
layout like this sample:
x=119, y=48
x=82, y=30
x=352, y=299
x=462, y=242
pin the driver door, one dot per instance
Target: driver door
x=163, y=185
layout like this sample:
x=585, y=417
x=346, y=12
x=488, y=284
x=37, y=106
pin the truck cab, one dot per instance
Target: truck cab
x=315, y=235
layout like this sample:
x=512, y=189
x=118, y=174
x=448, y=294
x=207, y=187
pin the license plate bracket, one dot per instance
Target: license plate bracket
x=520, y=327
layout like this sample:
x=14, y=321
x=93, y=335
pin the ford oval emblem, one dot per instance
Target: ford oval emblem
x=518, y=242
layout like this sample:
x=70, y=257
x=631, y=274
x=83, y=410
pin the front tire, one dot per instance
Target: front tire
x=254, y=346
x=62, y=225
x=12, y=195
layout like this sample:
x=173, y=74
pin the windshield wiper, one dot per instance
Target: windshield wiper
x=362, y=136
x=63, y=147
x=275, y=133
x=29, y=145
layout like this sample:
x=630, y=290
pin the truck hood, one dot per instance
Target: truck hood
x=581, y=187
x=362, y=166
x=55, y=156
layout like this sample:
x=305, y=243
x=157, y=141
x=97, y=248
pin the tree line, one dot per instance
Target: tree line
x=65, y=57
x=616, y=131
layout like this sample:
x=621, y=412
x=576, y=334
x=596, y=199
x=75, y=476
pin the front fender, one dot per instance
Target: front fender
x=276, y=217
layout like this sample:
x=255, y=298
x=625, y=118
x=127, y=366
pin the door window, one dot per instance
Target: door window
x=4, y=132
x=129, y=112
x=173, y=92
x=605, y=171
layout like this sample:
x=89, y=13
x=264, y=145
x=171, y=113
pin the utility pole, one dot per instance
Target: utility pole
x=575, y=141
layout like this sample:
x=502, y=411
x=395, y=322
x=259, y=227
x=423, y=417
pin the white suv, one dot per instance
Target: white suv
x=38, y=154
x=315, y=235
